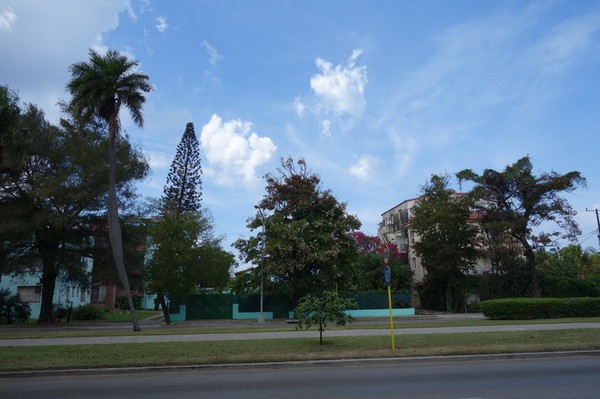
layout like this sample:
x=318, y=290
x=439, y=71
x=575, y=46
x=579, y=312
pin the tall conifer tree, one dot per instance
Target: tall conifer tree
x=180, y=200
x=182, y=193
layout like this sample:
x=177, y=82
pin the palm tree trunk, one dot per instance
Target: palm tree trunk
x=114, y=227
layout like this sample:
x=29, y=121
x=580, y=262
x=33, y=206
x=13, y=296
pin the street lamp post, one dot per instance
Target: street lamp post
x=261, y=314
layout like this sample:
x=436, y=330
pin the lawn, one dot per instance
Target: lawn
x=274, y=350
x=279, y=350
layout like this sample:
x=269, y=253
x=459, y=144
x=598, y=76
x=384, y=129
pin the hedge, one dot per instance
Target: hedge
x=88, y=312
x=540, y=308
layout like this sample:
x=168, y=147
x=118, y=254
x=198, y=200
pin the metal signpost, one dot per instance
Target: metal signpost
x=387, y=274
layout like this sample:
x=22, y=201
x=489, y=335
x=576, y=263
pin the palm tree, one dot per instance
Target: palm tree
x=99, y=88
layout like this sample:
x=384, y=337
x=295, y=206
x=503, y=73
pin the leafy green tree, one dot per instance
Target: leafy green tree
x=183, y=190
x=173, y=270
x=446, y=242
x=367, y=268
x=50, y=195
x=522, y=202
x=568, y=271
x=504, y=278
x=100, y=88
x=9, y=120
x=186, y=255
x=304, y=232
x=318, y=309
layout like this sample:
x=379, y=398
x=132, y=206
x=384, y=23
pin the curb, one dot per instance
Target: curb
x=308, y=363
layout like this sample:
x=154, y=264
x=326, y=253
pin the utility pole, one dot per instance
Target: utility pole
x=597, y=220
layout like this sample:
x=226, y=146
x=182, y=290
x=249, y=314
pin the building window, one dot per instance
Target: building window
x=98, y=293
x=30, y=293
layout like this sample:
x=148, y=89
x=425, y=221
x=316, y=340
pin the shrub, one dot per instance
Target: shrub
x=60, y=312
x=540, y=308
x=317, y=310
x=121, y=302
x=88, y=312
x=12, y=309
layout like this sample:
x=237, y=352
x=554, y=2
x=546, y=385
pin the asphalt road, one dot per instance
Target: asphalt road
x=573, y=377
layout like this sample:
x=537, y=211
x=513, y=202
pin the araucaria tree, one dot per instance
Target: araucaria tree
x=185, y=252
x=521, y=202
x=183, y=191
x=446, y=242
x=304, y=241
x=99, y=88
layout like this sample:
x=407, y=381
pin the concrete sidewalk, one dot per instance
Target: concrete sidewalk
x=284, y=334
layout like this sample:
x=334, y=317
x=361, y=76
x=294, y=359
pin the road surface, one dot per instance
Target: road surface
x=570, y=377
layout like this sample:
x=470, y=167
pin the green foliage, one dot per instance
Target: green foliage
x=88, y=312
x=446, y=239
x=540, y=308
x=182, y=191
x=99, y=89
x=12, y=309
x=446, y=242
x=516, y=203
x=246, y=283
x=304, y=244
x=319, y=309
x=121, y=302
x=51, y=188
x=366, y=270
x=61, y=312
x=185, y=255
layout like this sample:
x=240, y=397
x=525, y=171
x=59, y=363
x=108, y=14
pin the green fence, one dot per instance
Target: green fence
x=220, y=306
x=279, y=305
x=379, y=300
x=209, y=307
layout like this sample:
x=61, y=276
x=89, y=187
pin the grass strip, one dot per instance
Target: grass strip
x=277, y=350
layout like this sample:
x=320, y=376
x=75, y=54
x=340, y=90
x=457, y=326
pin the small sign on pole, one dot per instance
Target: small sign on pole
x=387, y=274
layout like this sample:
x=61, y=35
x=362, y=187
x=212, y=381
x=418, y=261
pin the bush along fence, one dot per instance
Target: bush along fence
x=247, y=307
x=540, y=308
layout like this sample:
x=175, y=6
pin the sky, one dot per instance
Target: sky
x=375, y=96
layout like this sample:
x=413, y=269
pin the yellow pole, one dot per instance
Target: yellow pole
x=391, y=317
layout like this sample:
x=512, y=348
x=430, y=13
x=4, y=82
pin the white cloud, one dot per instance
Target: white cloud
x=47, y=30
x=326, y=127
x=299, y=106
x=7, y=19
x=161, y=24
x=364, y=168
x=157, y=160
x=566, y=42
x=341, y=89
x=131, y=12
x=215, y=57
x=234, y=152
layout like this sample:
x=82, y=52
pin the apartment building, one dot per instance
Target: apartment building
x=395, y=228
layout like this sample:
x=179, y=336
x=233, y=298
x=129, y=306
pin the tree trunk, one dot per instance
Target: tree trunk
x=165, y=309
x=535, y=283
x=114, y=226
x=48, y=285
x=321, y=333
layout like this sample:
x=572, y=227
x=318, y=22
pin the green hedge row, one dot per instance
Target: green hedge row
x=540, y=308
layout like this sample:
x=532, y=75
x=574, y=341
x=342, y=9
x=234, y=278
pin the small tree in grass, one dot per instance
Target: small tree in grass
x=318, y=309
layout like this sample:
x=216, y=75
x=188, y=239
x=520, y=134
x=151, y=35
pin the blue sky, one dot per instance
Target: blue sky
x=375, y=95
